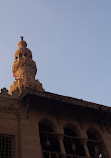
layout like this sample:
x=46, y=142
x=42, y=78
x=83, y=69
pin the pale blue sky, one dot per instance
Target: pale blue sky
x=70, y=41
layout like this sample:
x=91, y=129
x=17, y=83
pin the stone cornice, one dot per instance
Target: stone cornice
x=65, y=99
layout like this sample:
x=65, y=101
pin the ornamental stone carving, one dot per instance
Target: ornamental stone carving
x=24, y=70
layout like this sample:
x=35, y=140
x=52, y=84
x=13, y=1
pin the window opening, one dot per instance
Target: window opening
x=20, y=54
x=25, y=54
x=72, y=141
x=48, y=140
x=6, y=146
x=94, y=144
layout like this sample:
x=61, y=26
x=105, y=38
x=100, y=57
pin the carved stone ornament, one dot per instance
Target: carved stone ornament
x=24, y=70
x=4, y=92
x=9, y=109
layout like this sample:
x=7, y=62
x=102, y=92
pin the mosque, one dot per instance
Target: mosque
x=39, y=124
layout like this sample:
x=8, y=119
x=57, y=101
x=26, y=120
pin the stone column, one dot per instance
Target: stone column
x=84, y=142
x=61, y=144
x=96, y=152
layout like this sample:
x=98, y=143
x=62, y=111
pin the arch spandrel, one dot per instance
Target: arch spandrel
x=50, y=123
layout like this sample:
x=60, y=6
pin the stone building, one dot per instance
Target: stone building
x=38, y=124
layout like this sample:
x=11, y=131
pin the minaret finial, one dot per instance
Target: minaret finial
x=22, y=38
x=24, y=70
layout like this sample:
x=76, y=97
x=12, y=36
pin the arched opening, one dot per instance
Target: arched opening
x=20, y=54
x=48, y=138
x=95, y=145
x=25, y=54
x=72, y=141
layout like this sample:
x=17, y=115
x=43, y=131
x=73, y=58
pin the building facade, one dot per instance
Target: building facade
x=38, y=124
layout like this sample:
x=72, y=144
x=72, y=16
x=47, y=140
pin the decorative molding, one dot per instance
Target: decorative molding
x=11, y=109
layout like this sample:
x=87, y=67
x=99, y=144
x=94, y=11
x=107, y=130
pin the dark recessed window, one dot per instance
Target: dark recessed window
x=48, y=138
x=6, y=146
x=95, y=145
x=25, y=54
x=20, y=55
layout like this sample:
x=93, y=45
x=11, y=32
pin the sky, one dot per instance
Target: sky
x=70, y=41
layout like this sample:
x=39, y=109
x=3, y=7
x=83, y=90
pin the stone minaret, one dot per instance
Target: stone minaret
x=24, y=70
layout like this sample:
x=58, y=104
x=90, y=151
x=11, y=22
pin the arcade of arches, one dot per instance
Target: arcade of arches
x=70, y=144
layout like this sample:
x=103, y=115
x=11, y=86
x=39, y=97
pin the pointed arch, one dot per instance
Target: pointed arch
x=95, y=142
x=93, y=134
x=48, y=136
x=71, y=130
x=47, y=125
x=72, y=140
